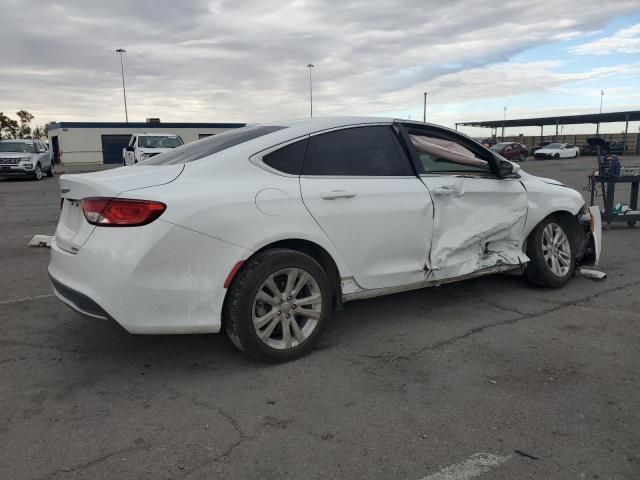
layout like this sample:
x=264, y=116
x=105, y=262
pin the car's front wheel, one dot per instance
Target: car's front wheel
x=37, y=173
x=551, y=250
x=276, y=305
x=522, y=157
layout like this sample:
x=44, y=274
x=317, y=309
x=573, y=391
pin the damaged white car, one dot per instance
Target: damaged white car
x=265, y=230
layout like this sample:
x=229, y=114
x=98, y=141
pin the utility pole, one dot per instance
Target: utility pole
x=504, y=119
x=424, y=113
x=310, y=66
x=124, y=90
x=598, y=124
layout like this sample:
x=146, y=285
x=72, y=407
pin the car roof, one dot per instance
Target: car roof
x=306, y=126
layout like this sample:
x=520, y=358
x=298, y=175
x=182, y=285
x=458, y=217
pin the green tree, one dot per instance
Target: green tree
x=25, y=121
x=8, y=127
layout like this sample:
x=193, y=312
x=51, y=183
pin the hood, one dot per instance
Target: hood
x=154, y=150
x=528, y=177
x=15, y=154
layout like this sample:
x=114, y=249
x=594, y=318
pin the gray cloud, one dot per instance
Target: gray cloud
x=245, y=60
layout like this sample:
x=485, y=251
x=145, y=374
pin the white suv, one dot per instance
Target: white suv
x=146, y=145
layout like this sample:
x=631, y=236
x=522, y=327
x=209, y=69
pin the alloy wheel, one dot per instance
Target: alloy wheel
x=38, y=172
x=286, y=308
x=556, y=249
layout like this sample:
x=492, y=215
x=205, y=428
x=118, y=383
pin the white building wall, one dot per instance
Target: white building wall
x=84, y=145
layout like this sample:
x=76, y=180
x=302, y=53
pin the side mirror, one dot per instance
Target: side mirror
x=506, y=168
x=129, y=148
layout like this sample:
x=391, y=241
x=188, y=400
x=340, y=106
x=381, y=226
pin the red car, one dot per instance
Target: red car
x=511, y=151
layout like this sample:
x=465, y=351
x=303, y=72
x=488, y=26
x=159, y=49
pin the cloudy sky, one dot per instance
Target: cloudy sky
x=246, y=61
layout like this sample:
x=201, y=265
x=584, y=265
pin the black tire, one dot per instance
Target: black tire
x=237, y=313
x=51, y=172
x=37, y=173
x=538, y=270
x=522, y=157
x=556, y=156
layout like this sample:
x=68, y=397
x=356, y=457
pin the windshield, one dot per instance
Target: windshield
x=554, y=146
x=157, y=141
x=500, y=146
x=16, y=147
x=210, y=145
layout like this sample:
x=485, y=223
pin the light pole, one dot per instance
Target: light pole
x=504, y=119
x=598, y=125
x=124, y=90
x=424, y=113
x=310, y=66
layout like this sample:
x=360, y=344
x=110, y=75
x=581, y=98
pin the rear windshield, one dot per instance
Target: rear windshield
x=210, y=145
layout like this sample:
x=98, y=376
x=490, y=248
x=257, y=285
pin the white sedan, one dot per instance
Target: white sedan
x=265, y=230
x=557, y=150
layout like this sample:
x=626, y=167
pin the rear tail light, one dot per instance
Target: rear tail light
x=121, y=212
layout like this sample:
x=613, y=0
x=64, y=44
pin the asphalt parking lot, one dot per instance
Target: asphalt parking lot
x=409, y=386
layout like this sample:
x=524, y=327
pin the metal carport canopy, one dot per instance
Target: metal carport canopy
x=608, y=117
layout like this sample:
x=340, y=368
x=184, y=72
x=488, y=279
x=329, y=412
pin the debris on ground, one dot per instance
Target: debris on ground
x=41, y=241
x=527, y=455
x=595, y=274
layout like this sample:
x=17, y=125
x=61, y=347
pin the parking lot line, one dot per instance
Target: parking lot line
x=472, y=467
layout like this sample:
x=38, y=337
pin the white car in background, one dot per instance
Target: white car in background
x=556, y=151
x=265, y=230
x=143, y=146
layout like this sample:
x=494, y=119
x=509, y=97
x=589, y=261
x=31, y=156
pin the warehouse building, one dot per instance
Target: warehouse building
x=102, y=142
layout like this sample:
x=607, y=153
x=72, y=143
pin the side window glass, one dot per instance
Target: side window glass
x=288, y=159
x=360, y=151
x=442, y=155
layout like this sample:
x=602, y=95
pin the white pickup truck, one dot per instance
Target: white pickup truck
x=145, y=145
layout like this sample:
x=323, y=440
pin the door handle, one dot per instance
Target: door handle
x=443, y=191
x=332, y=195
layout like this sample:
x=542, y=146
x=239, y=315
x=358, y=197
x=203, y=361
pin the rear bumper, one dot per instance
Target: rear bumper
x=156, y=279
x=78, y=302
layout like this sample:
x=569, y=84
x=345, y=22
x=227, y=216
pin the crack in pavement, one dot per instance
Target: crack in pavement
x=26, y=299
x=95, y=461
x=242, y=436
x=512, y=321
x=388, y=356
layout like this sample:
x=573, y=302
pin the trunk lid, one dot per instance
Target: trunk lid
x=73, y=230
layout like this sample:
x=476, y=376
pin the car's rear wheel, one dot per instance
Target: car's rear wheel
x=522, y=157
x=37, y=173
x=51, y=172
x=277, y=304
x=576, y=155
x=551, y=250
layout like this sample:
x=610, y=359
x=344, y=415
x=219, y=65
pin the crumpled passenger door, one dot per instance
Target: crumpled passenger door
x=478, y=223
x=479, y=217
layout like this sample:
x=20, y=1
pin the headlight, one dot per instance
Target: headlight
x=144, y=156
x=25, y=159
